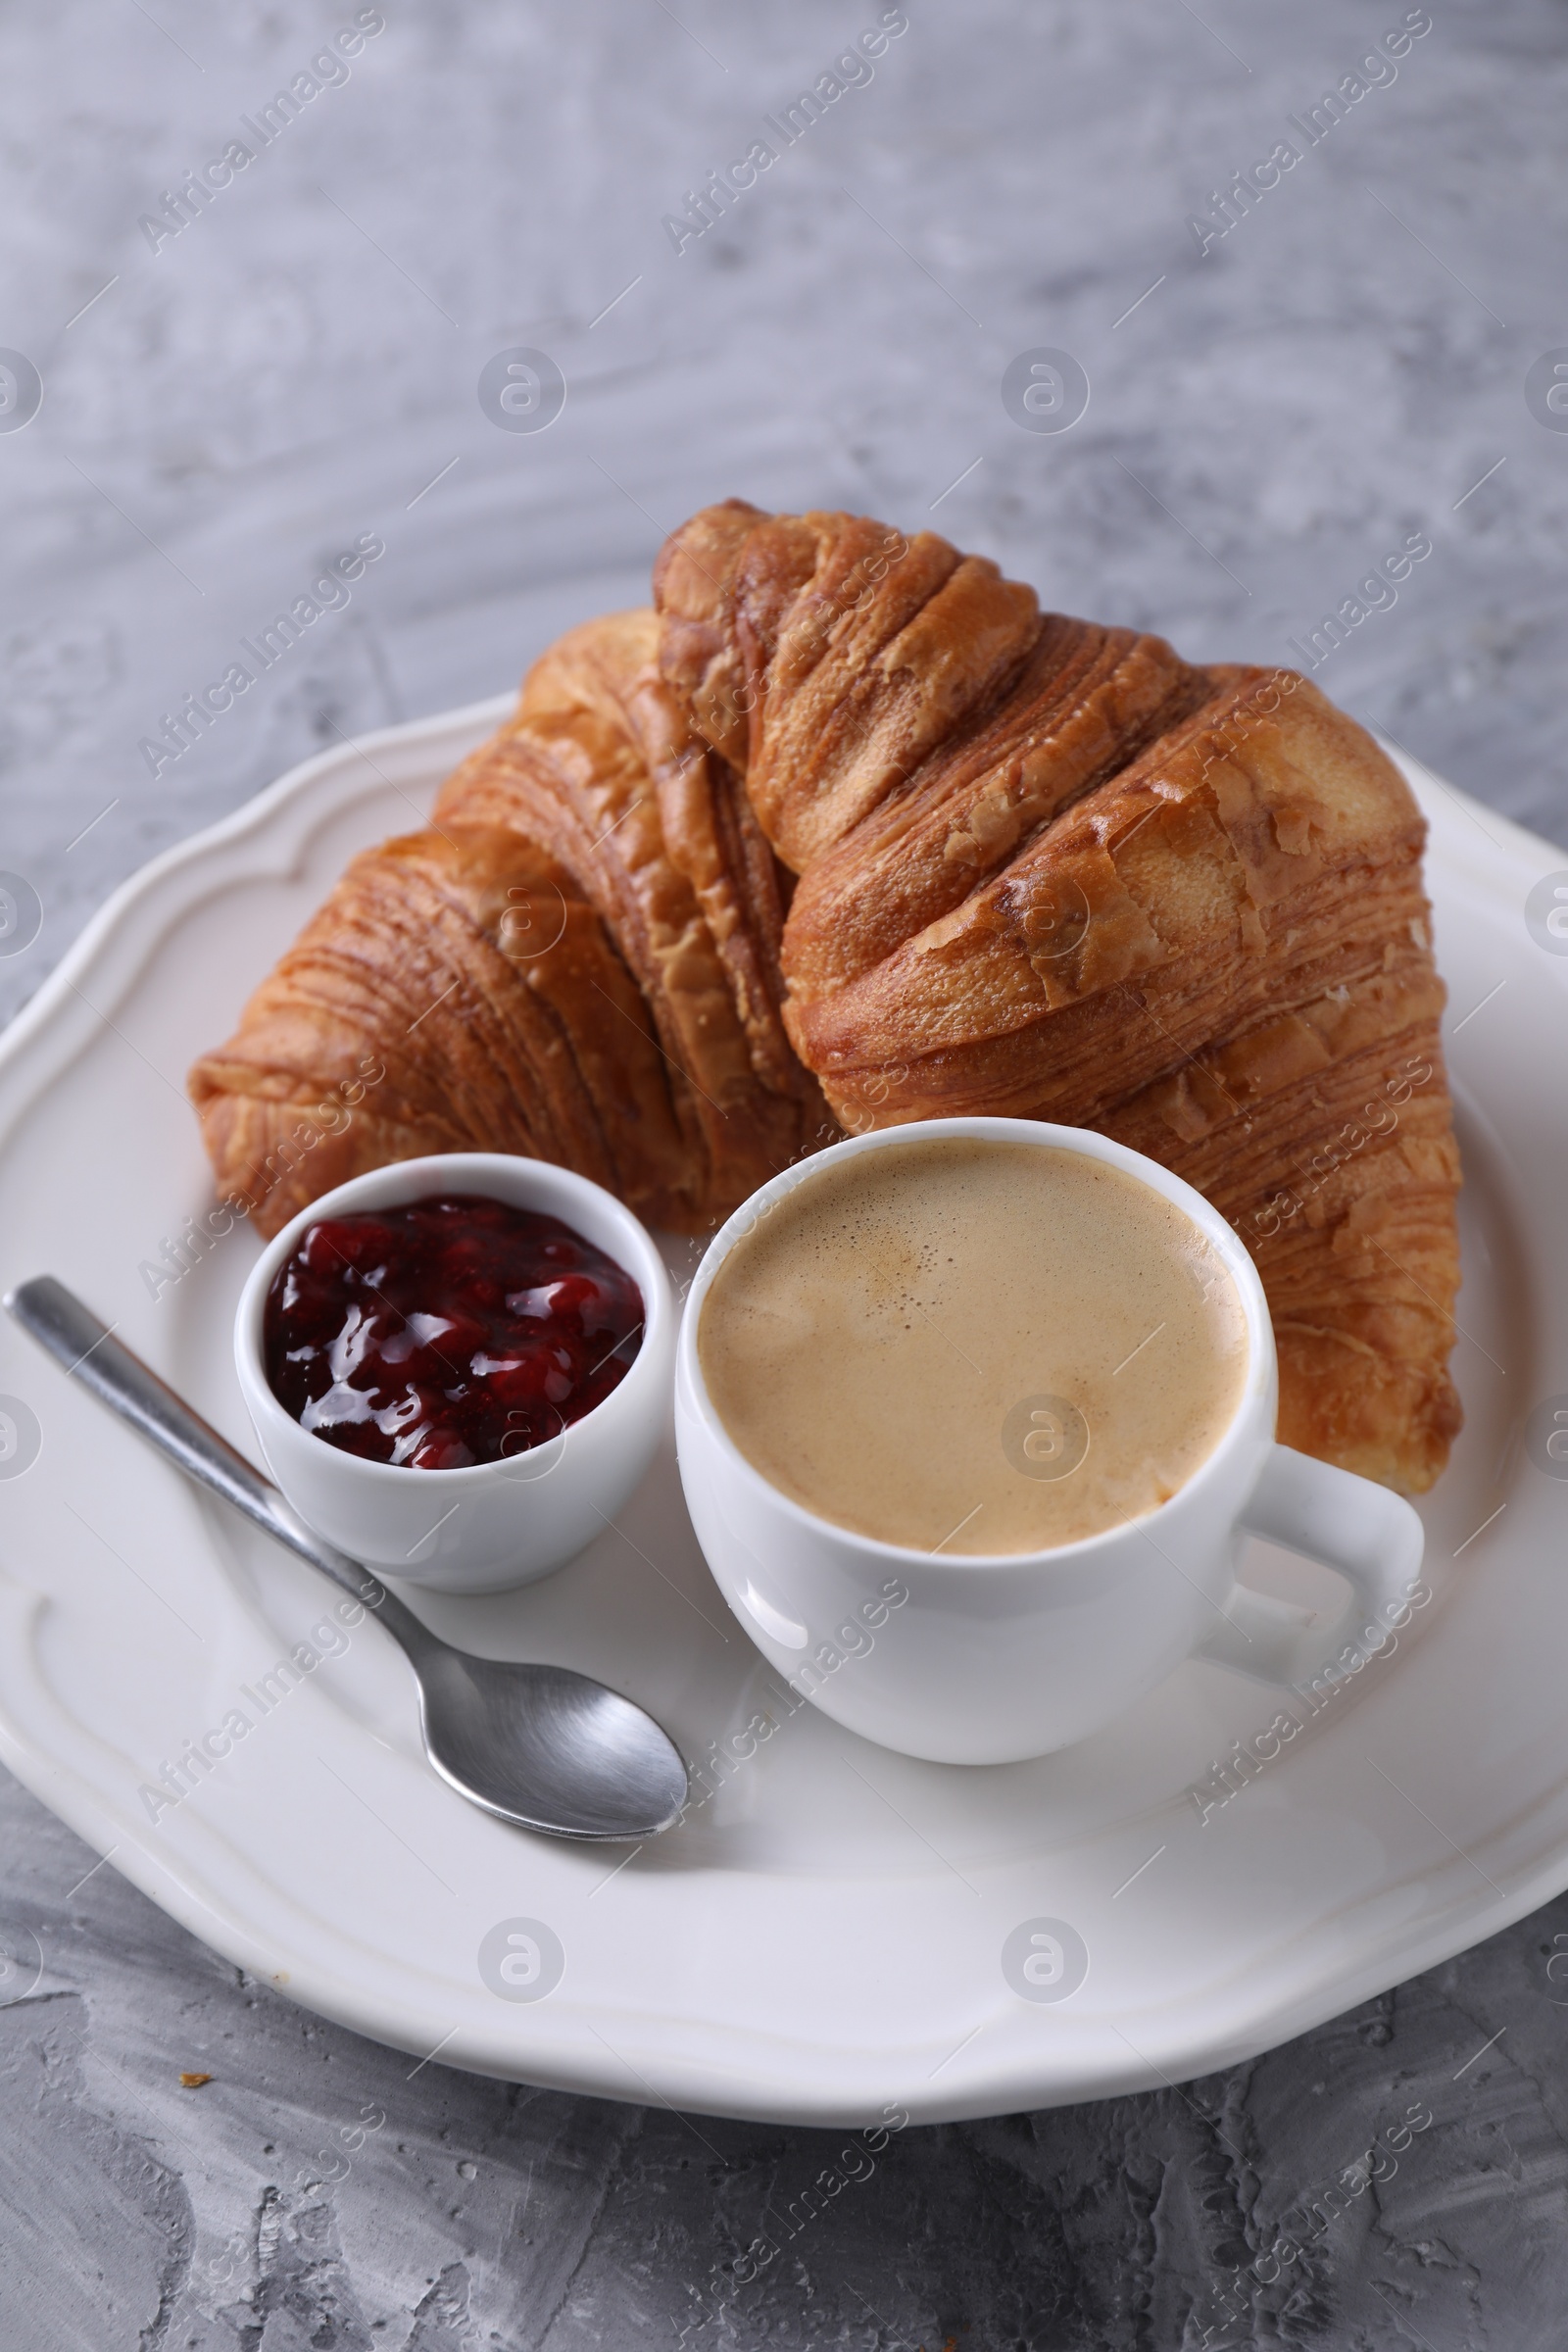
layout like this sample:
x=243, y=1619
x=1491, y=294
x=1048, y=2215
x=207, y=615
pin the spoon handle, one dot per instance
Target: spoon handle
x=88, y=1351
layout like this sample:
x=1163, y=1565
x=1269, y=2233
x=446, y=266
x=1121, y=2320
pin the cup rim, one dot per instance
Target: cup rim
x=1259, y=1388
x=434, y=1172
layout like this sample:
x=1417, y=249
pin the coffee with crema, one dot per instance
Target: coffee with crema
x=974, y=1346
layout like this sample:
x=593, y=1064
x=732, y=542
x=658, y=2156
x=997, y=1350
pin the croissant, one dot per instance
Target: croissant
x=848, y=827
x=1048, y=869
x=576, y=960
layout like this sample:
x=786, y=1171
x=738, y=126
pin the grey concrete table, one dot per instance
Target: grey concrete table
x=1290, y=377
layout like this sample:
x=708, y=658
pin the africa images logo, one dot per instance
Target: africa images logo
x=521, y=1960
x=1045, y=1960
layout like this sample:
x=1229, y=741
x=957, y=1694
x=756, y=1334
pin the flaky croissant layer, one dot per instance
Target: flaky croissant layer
x=847, y=833
x=556, y=967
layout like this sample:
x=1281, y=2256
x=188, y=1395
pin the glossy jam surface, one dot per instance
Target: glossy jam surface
x=447, y=1332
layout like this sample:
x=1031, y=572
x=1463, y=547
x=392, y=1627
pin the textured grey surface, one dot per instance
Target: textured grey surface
x=292, y=369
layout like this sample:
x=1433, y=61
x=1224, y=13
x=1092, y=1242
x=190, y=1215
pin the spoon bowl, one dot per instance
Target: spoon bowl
x=571, y=1758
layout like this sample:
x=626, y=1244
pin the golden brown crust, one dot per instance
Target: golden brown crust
x=1049, y=870
x=412, y=1016
x=599, y=767
x=541, y=971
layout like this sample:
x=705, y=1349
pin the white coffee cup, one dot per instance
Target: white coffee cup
x=492, y=1525
x=972, y=1659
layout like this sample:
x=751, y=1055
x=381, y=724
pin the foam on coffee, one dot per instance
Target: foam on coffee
x=973, y=1347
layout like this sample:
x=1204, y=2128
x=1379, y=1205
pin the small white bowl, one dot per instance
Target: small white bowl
x=493, y=1525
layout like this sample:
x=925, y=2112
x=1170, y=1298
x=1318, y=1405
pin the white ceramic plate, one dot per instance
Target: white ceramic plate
x=823, y=1941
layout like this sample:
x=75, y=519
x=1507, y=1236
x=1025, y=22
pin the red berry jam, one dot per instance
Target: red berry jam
x=448, y=1330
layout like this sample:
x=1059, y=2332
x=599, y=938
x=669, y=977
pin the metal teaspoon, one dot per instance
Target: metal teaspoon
x=537, y=1746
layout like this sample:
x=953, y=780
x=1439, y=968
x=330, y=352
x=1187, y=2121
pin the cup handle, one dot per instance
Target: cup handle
x=1369, y=1534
